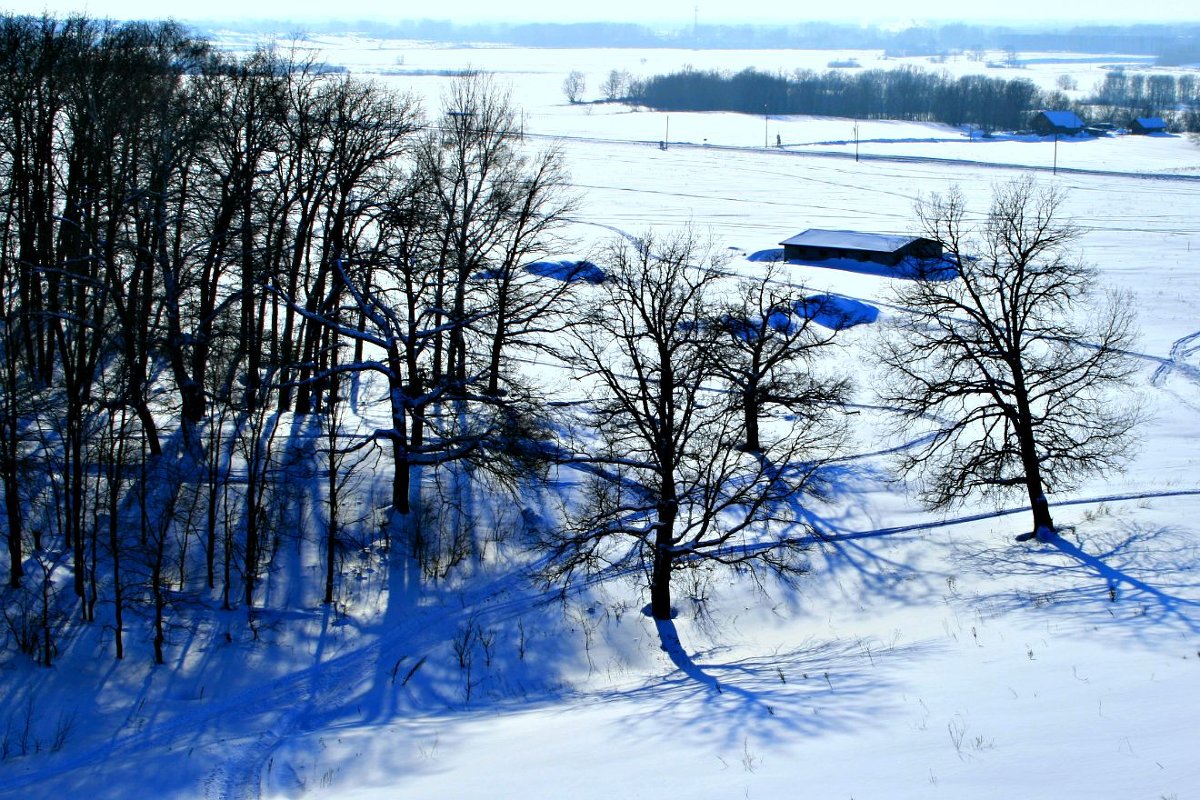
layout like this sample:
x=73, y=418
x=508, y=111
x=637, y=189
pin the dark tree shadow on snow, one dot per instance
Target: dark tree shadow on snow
x=1144, y=578
x=834, y=529
x=811, y=690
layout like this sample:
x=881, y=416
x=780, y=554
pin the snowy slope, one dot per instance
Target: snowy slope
x=922, y=656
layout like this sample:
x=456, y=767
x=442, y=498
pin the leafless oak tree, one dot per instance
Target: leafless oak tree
x=672, y=485
x=768, y=357
x=1012, y=374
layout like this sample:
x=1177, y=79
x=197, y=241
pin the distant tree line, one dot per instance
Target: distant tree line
x=1121, y=96
x=906, y=93
x=1166, y=41
x=910, y=93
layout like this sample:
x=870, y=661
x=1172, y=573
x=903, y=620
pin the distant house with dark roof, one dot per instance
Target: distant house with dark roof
x=1063, y=123
x=1148, y=125
x=815, y=244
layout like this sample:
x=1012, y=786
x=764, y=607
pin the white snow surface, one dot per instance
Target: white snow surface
x=924, y=655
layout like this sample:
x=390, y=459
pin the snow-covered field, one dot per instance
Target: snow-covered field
x=923, y=656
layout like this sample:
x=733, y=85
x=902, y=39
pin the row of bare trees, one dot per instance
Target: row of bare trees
x=1121, y=96
x=193, y=243
x=214, y=242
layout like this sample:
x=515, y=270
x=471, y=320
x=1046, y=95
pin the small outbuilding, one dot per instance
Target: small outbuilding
x=1062, y=123
x=1148, y=125
x=815, y=244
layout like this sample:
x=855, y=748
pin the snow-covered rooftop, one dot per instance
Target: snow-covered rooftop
x=851, y=240
x=1151, y=122
x=1063, y=119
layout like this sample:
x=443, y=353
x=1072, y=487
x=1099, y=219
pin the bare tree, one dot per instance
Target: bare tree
x=615, y=85
x=435, y=420
x=574, y=86
x=433, y=293
x=257, y=434
x=155, y=497
x=534, y=203
x=222, y=210
x=1012, y=372
x=769, y=351
x=31, y=100
x=473, y=170
x=331, y=429
x=671, y=488
x=368, y=132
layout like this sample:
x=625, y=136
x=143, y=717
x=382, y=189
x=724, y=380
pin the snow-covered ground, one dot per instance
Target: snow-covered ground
x=537, y=76
x=923, y=656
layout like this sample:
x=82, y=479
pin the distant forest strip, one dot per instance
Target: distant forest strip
x=910, y=93
x=1123, y=95
x=1170, y=43
x=906, y=93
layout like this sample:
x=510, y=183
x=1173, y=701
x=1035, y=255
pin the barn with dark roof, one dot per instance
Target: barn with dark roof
x=1063, y=123
x=1148, y=125
x=815, y=244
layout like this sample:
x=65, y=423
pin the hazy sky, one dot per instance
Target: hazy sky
x=641, y=11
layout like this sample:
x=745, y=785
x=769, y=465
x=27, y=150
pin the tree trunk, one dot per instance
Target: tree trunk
x=398, y=395
x=227, y=567
x=115, y=480
x=660, y=584
x=1043, y=524
x=400, y=480
x=48, y=648
x=210, y=532
x=333, y=486
x=330, y=551
x=160, y=598
x=750, y=407
x=250, y=565
x=149, y=425
x=11, y=467
x=12, y=503
x=193, y=404
x=660, y=574
x=493, y=383
x=75, y=498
